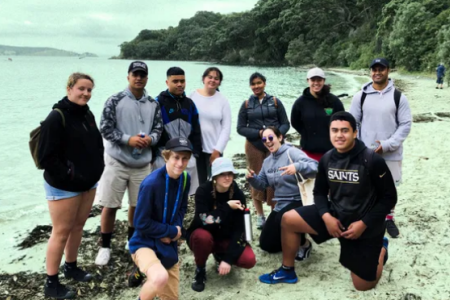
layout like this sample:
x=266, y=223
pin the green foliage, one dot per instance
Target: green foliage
x=412, y=34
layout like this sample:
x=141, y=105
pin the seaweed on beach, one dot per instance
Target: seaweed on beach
x=39, y=234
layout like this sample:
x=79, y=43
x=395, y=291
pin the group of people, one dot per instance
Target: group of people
x=165, y=149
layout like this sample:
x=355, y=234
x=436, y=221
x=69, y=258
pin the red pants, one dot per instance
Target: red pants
x=203, y=244
x=315, y=156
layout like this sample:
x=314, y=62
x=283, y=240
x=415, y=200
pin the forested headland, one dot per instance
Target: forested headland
x=413, y=35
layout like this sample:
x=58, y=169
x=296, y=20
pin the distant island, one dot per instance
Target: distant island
x=40, y=51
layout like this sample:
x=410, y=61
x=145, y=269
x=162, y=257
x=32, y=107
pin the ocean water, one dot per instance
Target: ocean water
x=29, y=86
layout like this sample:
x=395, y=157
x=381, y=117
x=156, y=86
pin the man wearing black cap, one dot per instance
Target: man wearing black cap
x=161, y=206
x=131, y=122
x=384, y=120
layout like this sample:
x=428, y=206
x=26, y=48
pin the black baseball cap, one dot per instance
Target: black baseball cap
x=179, y=144
x=138, y=66
x=379, y=61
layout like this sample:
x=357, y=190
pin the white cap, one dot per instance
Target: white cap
x=315, y=72
x=221, y=165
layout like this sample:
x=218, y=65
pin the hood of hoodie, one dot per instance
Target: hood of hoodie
x=131, y=96
x=355, y=151
x=283, y=148
x=368, y=88
x=72, y=108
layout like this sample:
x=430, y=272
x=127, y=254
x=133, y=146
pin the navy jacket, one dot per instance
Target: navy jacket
x=148, y=218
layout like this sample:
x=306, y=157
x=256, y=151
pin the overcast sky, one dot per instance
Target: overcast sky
x=97, y=26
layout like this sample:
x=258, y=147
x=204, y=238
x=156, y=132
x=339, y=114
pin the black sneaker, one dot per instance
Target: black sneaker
x=77, y=274
x=58, y=291
x=198, y=284
x=392, y=229
x=135, y=278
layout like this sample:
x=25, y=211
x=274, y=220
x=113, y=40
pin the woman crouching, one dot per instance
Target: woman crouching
x=218, y=225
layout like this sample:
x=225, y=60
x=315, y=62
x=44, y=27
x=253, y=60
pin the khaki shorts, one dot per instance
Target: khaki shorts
x=255, y=159
x=144, y=258
x=115, y=180
x=395, y=166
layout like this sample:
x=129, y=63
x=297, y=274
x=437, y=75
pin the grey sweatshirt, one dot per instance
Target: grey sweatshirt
x=285, y=187
x=125, y=116
x=379, y=121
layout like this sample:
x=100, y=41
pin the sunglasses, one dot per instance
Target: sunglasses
x=270, y=139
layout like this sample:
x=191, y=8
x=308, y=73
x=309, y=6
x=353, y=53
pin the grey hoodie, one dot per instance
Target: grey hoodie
x=125, y=116
x=379, y=121
x=285, y=187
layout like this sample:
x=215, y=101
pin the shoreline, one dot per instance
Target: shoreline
x=418, y=260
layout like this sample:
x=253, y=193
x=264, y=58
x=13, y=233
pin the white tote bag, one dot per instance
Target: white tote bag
x=305, y=186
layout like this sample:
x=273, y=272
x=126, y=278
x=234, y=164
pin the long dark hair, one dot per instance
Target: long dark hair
x=323, y=97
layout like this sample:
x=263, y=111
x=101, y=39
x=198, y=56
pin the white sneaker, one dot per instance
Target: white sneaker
x=103, y=256
x=304, y=251
x=260, y=221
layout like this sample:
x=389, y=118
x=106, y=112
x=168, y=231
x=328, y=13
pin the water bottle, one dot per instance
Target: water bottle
x=137, y=151
x=248, y=225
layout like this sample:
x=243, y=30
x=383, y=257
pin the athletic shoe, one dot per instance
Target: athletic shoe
x=304, y=252
x=392, y=229
x=385, y=246
x=135, y=278
x=58, y=292
x=77, y=274
x=279, y=276
x=103, y=256
x=260, y=221
x=198, y=284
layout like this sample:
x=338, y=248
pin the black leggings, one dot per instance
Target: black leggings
x=203, y=167
x=270, y=239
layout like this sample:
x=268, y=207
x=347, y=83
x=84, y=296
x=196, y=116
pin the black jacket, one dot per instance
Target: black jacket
x=261, y=115
x=180, y=119
x=217, y=217
x=311, y=119
x=71, y=155
x=357, y=190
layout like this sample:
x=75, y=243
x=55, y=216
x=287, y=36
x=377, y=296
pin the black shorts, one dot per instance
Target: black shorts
x=359, y=256
x=440, y=80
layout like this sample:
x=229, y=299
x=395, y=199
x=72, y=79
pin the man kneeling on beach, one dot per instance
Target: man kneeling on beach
x=354, y=191
x=161, y=206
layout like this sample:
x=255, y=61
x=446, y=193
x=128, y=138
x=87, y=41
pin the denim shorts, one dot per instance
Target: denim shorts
x=52, y=193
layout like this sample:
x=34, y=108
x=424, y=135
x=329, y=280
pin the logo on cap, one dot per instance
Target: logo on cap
x=183, y=142
x=139, y=65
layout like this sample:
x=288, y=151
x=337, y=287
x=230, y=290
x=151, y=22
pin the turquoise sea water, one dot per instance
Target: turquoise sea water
x=29, y=86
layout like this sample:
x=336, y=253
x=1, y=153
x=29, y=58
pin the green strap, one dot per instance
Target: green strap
x=62, y=116
x=185, y=180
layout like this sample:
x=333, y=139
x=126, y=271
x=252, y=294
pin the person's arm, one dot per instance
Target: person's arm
x=50, y=143
x=108, y=123
x=303, y=164
x=338, y=105
x=236, y=245
x=210, y=218
x=242, y=128
x=225, y=131
x=282, y=118
x=381, y=177
x=196, y=133
x=321, y=190
x=403, y=129
x=296, y=117
x=142, y=216
x=260, y=181
x=157, y=126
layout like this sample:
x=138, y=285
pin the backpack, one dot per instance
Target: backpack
x=367, y=159
x=397, y=96
x=35, y=135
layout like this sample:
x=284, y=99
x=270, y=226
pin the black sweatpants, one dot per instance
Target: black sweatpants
x=270, y=239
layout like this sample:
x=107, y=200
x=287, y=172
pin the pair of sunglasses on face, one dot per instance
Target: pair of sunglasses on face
x=268, y=139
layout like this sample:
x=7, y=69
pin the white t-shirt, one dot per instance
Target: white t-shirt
x=215, y=120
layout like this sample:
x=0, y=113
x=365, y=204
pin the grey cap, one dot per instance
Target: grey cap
x=315, y=72
x=221, y=165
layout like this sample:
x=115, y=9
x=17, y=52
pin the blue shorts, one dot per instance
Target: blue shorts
x=440, y=80
x=52, y=193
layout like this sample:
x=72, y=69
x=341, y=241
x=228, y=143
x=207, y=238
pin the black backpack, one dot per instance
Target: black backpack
x=397, y=96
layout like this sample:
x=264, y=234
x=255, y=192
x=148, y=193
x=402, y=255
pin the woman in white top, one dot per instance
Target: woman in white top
x=215, y=120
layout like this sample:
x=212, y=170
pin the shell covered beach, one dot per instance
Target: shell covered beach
x=419, y=260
